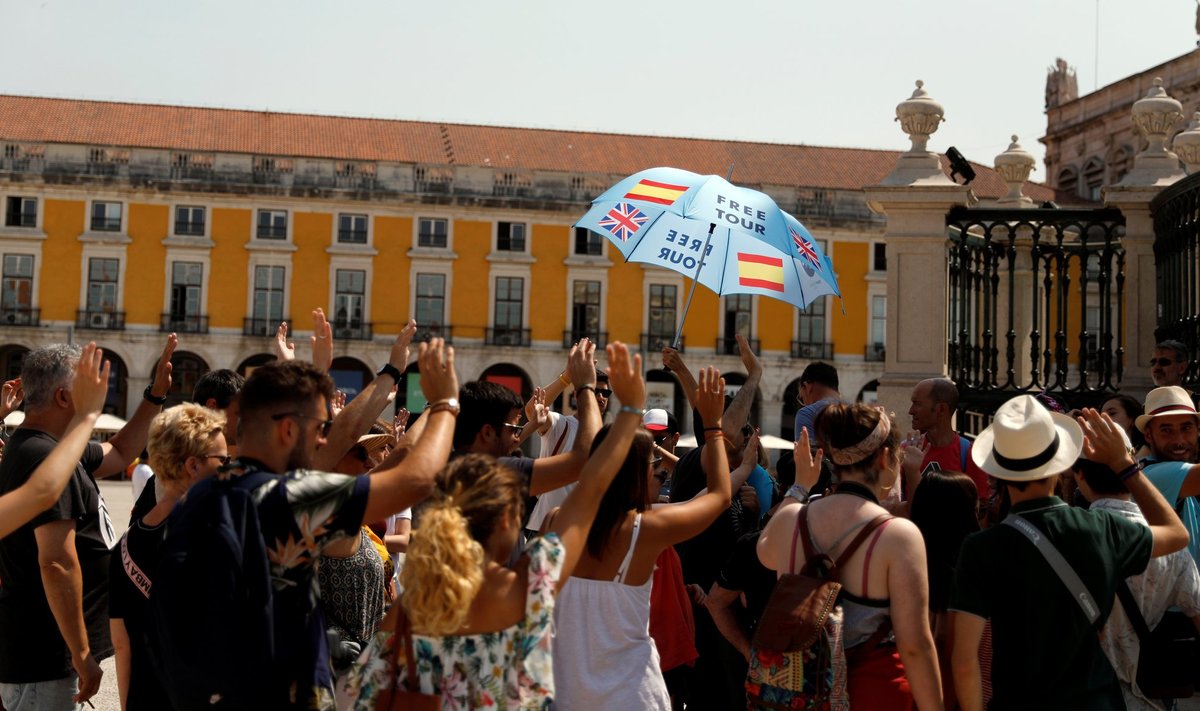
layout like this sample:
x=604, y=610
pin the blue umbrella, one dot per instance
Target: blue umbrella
x=733, y=240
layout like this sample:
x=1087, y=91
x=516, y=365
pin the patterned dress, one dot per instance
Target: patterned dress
x=511, y=669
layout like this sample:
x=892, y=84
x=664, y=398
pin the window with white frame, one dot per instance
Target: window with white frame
x=272, y=224
x=739, y=317
x=510, y=237
x=16, y=288
x=20, y=211
x=349, y=298
x=661, y=318
x=430, y=311
x=510, y=304
x=268, y=295
x=106, y=216
x=102, y=284
x=352, y=229
x=588, y=243
x=431, y=232
x=189, y=221
x=585, y=311
x=811, y=324
x=185, y=312
x=875, y=348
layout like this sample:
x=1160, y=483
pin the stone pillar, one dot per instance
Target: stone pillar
x=915, y=197
x=1155, y=168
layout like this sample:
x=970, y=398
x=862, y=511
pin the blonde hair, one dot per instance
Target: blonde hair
x=178, y=433
x=443, y=568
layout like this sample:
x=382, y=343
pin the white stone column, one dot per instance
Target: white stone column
x=915, y=197
x=1155, y=168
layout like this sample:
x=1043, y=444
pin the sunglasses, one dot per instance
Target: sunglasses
x=517, y=429
x=224, y=459
x=1162, y=362
x=326, y=424
x=603, y=392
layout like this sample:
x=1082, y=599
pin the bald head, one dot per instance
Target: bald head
x=933, y=404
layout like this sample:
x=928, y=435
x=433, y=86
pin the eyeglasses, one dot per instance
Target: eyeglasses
x=517, y=429
x=325, y=424
x=603, y=392
x=1162, y=362
x=225, y=459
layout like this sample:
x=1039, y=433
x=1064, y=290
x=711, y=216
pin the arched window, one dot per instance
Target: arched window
x=248, y=365
x=186, y=369
x=350, y=375
x=118, y=385
x=1093, y=180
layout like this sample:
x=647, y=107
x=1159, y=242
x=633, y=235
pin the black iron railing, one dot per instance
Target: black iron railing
x=1176, y=212
x=655, y=342
x=20, y=316
x=100, y=320
x=729, y=346
x=351, y=330
x=183, y=323
x=1035, y=304
x=812, y=351
x=189, y=228
x=573, y=336
x=508, y=337
x=263, y=326
x=874, y=353
x=424, y=333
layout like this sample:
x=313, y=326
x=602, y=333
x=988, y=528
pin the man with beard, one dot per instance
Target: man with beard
x=284, y=408
x=1172, y=435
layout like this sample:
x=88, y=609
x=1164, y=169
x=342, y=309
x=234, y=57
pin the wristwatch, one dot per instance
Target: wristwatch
x=389, y=369
x=149, y=396
x=450, y=404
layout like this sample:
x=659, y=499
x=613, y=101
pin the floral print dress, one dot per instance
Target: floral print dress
x=511, y=669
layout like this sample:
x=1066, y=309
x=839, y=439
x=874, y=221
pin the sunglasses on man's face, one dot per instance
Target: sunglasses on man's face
x=603, y=392
x=1162, y=362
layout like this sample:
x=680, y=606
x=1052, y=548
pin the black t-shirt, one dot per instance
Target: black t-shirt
x=145, y=501
x=703, y=554
x=743, y=572
x=131, y=577
x=33, y=649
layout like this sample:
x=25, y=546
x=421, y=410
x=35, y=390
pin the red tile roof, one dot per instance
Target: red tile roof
x=184, y=128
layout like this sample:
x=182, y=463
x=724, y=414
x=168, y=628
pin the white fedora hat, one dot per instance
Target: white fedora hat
x=1026, y=442
x=1171, y=400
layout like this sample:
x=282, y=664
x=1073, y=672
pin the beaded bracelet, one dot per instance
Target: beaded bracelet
x=1129, y=471
x=712, y=429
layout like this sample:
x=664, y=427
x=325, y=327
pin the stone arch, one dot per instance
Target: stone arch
x=117, y=401
x=511, y=376
x=791, y=404
x=664, y=391
x=868, y=393
x=248, y=364
x=186, y=369
x=350, y=375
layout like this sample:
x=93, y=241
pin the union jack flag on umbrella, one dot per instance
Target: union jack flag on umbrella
x=731, y=239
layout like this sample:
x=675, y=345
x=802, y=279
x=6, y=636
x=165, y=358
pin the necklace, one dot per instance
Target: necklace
x=853, y=488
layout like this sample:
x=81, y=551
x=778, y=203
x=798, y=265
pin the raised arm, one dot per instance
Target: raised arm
x=550, y=473
x=410, y=480
x=322, y=340
x=131, y=440
x=679, y=522
x=738, y=411
x=280, y=346
x=548, y=393
x=46, y=484
x=11, y=395
x=1103, y=443
x=575, y=516
x=673, y=361
x=356, y=418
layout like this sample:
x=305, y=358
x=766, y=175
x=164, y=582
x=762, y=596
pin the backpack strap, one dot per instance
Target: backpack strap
x=964, y=448
x=870, y=550
x=802, y=532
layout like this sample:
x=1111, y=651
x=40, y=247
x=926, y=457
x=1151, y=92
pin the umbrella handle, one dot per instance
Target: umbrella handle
x=712, y=226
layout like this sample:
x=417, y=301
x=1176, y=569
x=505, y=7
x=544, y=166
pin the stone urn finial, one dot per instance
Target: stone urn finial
x=919, y=117
x=1014, y=166
x=1187, y=145
x=1156, y=116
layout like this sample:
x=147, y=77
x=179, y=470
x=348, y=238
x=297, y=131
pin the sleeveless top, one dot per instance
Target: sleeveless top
x=604, y=657
x=353, y=590
x=863, y=615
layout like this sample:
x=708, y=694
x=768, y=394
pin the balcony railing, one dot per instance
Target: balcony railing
x=106, y=224
x=812, y=351
x=183, y=323
x=265, y=327
x=22, y=219
x=424, y=333
x=352, y=330
x=272, y=232
x=874, y=353
x=352, y=236
x=100, y=320
x=573, y=336
x=508, y=337
x=729, y=346
x=655, y=342
x=20, y=316
x=190, y=228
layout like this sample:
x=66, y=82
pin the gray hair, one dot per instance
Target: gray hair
x=45, y=370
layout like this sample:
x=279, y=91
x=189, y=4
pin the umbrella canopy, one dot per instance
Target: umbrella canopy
x=637, y=203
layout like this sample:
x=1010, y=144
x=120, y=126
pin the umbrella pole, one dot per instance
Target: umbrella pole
x=695, y=280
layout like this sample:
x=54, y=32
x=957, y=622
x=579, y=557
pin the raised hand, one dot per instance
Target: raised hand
x=400, y=424
x=280, y=346
x=808, y=463
x=673, y=361
x=749, y=359
x=162, y=372
x=338, y=403
x=400, y=347
x=90, y=387
x=581, y=364
x=710, y=397
x=536, y=412
x=438, y=380
x=624, y=376
x=915, y=447
x=11, y=395
x=322, y=340
x=1103, y=441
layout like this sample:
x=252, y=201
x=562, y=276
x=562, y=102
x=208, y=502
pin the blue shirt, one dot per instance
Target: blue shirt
x=1168, y=478
x=807, y=415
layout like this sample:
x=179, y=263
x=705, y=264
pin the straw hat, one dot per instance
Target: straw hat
x=374, y=442
x=1171, y=400
x=1027, y=442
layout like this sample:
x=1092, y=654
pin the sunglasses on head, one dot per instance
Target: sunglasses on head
x=1162, y=362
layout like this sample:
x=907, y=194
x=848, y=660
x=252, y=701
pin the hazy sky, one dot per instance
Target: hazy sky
x=795, y=71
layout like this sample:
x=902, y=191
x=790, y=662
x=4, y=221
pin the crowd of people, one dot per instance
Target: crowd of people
x=291, y=549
